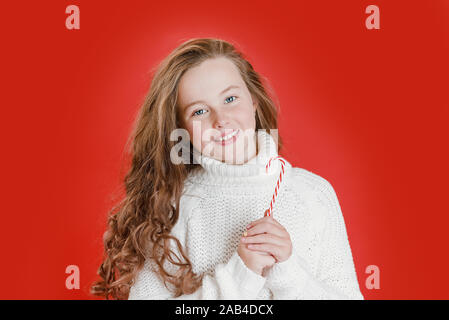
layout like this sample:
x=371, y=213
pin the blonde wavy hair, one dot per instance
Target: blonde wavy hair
x=139, y=225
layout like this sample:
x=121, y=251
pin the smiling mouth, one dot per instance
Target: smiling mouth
x=227, y=137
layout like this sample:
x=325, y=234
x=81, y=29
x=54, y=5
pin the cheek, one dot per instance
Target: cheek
x=247, y=118
x=196, y=137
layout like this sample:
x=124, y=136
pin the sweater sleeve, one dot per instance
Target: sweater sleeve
x=230, y=280
x=335, y=277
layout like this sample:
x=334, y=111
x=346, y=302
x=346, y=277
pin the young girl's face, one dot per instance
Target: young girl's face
x=215, y=103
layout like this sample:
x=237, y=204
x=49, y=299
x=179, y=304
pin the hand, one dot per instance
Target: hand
x=268, y=235
x=255, y=261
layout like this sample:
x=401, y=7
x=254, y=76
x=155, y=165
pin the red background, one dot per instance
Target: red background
x=366, y=109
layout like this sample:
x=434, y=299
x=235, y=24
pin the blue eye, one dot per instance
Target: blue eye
x=198, y=114
x=231, y=97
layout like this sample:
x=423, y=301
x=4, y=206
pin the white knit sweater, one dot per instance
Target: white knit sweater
x=220, y=200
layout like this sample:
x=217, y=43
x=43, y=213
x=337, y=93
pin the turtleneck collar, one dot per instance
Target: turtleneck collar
x=253, y=170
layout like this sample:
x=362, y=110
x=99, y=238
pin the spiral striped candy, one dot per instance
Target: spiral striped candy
x=269, y=211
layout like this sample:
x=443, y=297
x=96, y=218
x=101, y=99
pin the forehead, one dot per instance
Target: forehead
x=208, y=79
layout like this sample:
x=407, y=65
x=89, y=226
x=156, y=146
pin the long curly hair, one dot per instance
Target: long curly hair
x=139, y=225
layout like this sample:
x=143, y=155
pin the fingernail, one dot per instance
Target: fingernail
x=248, y=226
x=245, y=233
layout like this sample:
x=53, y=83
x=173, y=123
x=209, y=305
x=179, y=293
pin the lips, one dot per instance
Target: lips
x=227, y=137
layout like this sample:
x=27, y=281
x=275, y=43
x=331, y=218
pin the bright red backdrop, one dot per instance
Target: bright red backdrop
x=366, y=109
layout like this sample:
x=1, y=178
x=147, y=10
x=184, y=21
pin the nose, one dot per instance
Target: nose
x=221, y=120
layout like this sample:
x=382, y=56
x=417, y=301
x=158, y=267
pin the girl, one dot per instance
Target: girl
x=194, y=227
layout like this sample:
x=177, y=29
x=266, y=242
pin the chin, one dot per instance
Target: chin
x=239, y=159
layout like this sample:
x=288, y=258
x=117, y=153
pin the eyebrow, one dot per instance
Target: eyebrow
x=199, y=101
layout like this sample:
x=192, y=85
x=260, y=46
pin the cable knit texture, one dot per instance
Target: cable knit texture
x=221, y=199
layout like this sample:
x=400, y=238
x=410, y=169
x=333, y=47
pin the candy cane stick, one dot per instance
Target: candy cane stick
x=269, y=211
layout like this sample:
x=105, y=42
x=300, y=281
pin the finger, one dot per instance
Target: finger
x=260, y=252
x=263, y=253
x=274, y=250
x=264, y=238
x=273, y=220
x=268, y=219
x=255, y=222
x=267, y=258
x=266, y=227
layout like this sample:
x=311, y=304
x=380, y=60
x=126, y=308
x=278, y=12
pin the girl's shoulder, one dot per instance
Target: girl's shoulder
x=313, y=187
x=309, y=180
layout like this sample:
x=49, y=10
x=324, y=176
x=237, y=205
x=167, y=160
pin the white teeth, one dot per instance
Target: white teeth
x=229, y=136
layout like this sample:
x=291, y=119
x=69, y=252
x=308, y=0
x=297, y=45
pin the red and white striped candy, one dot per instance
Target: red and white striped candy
x=269, y=211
